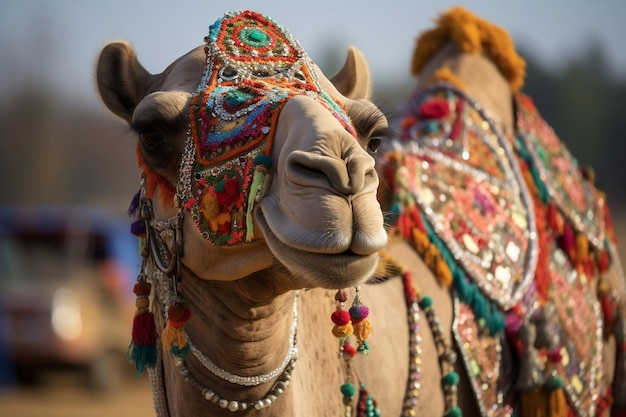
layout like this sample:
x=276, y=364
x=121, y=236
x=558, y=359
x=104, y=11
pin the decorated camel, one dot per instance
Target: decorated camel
x=519, y=242
x=265, y=248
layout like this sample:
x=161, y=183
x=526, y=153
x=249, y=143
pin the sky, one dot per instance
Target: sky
x=56, y=42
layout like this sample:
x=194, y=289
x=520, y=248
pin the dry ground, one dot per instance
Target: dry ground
x=63, y=396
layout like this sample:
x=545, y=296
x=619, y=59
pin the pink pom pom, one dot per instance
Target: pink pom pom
x=359, y=313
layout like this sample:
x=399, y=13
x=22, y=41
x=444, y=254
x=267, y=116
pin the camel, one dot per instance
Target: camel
x=259, y=220
x=481, y=189
x=272, y=285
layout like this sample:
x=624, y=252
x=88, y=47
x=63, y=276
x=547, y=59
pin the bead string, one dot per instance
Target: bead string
x=417, y=303
x=208, y=394
x=254, y=380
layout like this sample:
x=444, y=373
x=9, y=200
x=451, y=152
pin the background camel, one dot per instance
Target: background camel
x=512, y=230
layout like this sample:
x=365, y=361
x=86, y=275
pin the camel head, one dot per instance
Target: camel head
x=265, y=157
x=474, y=55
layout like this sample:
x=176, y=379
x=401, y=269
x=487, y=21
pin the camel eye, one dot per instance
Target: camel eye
x=150, y=139
x=374, y=143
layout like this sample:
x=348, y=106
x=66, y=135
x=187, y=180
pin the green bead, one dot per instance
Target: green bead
x=426, y=302
x=454, y=412
x=553, y=383
x=348, y=390
x=452, y=378
x=257, y=35
x=254, y=37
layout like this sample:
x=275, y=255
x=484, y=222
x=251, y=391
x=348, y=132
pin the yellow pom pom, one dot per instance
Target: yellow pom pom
x=210, y=206
x=362, y=329
x=343, y=331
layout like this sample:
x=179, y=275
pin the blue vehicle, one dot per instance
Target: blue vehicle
x=66, y=277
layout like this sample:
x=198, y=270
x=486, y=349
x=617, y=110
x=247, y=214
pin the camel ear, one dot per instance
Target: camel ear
x=122, y=81
x=353, y=80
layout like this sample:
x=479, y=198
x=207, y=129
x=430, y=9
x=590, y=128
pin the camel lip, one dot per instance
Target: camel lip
x=327, y=270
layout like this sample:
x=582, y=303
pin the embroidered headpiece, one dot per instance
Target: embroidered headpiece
x=253, y=68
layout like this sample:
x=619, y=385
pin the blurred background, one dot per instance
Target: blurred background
x=68, y=166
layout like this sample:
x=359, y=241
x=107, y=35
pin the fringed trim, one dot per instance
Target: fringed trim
x=472, y=35
x=543, y=403
x=166, y=190
x=416, y=229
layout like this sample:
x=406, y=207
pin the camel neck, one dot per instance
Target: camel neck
x=244, y=329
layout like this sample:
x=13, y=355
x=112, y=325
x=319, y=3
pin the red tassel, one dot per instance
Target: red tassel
x=144, y=331
x=142, y=350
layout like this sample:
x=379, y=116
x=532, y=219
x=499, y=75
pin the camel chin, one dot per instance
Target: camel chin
x=312, y=268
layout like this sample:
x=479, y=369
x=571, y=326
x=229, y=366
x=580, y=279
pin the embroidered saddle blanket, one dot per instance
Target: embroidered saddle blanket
x=476, y=191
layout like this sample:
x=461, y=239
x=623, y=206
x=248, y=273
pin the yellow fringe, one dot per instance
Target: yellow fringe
x=533, y=403
x=557, y=403
x=472, y=35
x=173, y=337
x=582, y=248
x=542, y=403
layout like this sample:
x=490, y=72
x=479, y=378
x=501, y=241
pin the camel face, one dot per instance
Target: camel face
x=261, y=152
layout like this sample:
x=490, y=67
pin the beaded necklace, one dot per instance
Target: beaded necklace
x=417, y=303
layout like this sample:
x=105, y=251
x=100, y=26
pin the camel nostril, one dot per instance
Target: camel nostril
x=308, y=169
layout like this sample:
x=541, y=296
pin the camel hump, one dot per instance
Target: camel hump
x=471, y=34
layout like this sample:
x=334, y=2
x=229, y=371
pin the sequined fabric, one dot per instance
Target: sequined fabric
x=461, y=172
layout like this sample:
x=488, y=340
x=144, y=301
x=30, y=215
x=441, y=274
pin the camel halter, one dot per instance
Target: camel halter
x=253, y=67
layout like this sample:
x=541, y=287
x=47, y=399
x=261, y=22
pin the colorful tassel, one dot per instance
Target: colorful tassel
x=362, y=326
x=134, y=204
x=142, y=351
x=261, y=173
x=173, y=338
x=532, y=403
x=556, y=402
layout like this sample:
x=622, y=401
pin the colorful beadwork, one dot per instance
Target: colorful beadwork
x=577, y=313
x=559, y=172
x=253, y=68
x=460, y=170
x=490, y=369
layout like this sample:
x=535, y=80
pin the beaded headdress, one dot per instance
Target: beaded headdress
x=253, y=67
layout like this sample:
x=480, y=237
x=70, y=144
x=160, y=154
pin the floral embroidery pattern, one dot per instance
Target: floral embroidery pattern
x=253, y=68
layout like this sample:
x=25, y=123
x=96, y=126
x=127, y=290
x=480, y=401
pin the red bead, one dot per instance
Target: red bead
x=348, y=350
x=341, y=296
